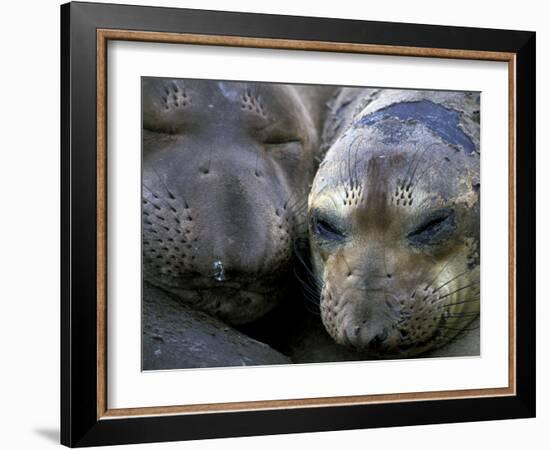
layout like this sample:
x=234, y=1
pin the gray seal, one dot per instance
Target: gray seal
x=226, y=172
x=394, y=220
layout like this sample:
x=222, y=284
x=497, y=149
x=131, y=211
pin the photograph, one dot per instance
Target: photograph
x=300, y=224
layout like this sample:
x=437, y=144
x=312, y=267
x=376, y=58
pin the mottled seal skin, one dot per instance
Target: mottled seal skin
x=315, y=345
x=394, y=220
x=226, y=171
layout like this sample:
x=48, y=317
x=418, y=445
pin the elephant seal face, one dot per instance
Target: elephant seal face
x=226, y=168
x=394, y=220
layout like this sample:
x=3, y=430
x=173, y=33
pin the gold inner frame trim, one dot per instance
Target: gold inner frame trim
x=103, y=36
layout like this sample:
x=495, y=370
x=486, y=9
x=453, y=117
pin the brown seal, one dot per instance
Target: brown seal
x=394, y=219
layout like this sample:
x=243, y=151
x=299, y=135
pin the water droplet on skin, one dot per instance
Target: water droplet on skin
x=219, y=272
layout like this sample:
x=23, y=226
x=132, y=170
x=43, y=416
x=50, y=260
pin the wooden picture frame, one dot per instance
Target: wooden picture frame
x=86, y=418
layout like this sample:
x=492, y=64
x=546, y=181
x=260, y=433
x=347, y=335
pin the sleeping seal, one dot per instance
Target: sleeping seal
x=393, y=216
x=226, y=172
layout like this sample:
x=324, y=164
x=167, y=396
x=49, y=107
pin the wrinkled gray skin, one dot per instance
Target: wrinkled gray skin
x=394, y=221
x=175, y=336
x=226, y=170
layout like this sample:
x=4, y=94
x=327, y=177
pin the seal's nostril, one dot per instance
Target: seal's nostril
x=356, y=330
x=377, y=340
x=219, y=271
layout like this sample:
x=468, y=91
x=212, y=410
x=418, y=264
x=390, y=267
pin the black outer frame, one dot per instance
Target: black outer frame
x=79, y=423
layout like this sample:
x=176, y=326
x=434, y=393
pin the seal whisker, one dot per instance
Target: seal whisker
x=411, y=163
x=292, y=201
x=350, y=177
x=459, y=329
x=357, y=146
x=419, y=159
x=312, y=311
x=457, y=290
x=162, y=200
x=448, y=305
x=465, y=314
x=297, y=209
x=311, y=304
x=312, y=289
x=311, y=300
x=342, y=176
x=310, y=294
x=160, y=179
x=350, y=272
x=437, y=276
x=318, y=283
x=428, y=167
x=172, y=196
x=210, y=159
x=452, y=279
x=385, y=264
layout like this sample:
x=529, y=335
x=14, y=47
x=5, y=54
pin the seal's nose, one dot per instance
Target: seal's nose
x=378, y=340
x=365, y=337
x=218, y=272
x=352, y=335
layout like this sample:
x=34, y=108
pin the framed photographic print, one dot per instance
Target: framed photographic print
x=276, y=224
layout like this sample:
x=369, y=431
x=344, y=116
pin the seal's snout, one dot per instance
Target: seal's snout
x=379, y=340
x=365, y=336
x=351, y=335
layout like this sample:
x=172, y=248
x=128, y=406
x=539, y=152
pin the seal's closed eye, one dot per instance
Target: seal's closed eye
x=325, y=228
x=280, y=132
x=435, y=229
x=282, y=140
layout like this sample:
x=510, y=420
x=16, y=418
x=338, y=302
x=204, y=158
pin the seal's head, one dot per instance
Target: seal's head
x=394, y=222
x=226, y=168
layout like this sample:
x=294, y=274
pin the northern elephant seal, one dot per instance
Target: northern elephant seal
x=394, y=219
x=176, y=336
x=226, y=171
